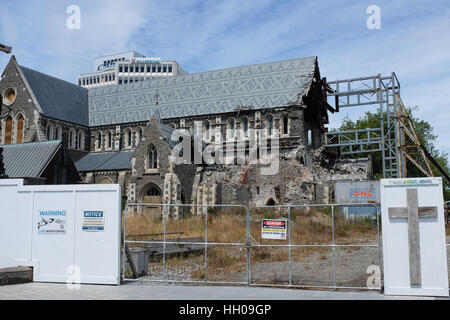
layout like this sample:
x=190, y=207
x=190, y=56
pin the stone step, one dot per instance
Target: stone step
x=15, y=275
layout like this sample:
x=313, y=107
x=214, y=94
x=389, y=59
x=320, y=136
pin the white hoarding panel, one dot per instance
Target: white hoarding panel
x=15, y=225
x=61, y=229
x=414, y=243
x=103, y=258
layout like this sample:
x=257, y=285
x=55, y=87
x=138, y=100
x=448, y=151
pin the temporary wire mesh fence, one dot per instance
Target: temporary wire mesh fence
x=320, y=246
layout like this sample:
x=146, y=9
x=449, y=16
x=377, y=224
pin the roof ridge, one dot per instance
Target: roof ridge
x=49, y=76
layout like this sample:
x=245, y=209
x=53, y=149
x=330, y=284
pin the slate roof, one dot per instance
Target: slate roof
x=28, y=160
x=57, y=98
x=105, y=161
x=257, y=86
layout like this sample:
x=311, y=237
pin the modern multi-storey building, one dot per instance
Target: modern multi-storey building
x=128, y=67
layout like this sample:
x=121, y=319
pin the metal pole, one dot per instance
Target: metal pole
x=290, y=248
x=5, y=49
x=164, y=242
x=206, y=244
x=124, y=241
x=379, y=251
x=248, y=245
x=333, y=246
x=383, y=149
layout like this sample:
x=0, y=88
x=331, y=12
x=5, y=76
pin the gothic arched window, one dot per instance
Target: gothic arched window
x=20, y=128
x=152, y=158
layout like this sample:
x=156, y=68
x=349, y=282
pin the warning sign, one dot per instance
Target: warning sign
x=274, y=229
x=93, y=221
x=52, y=222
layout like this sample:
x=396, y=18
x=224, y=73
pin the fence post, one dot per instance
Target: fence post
x=206, y=244
x=333, y=246
x=164, y=242
x=248, y=245
x=290, y=246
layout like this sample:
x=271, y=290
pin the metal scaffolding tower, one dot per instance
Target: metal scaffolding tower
x=396, y=137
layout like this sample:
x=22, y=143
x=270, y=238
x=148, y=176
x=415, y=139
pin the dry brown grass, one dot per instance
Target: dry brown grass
x=307, y=227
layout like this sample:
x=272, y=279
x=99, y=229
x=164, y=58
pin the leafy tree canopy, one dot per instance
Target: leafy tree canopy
x=426, y=135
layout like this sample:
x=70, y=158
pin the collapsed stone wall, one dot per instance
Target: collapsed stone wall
x=303, y=176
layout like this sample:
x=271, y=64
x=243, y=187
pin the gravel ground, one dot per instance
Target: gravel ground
x=315, y=270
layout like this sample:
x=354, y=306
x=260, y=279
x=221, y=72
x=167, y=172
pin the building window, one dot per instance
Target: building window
x=170, y=68
x=80, y=140
x=164, y=68
x=152, y=158
x=207, y=131
x=138, y=135
x=245, y=127
x=131, y=69
x=159, y=68
x=8, y=130
x=269, y=125
x=120, y=68
x=109, y=140
x=126, y=69
x=142, y=69
x=50, y=134
x=310, y=140
x=58, y=133
x=285, y=124
x=98, y=141
x=231, y=129
x=153, y=68
x=128, y=140
x=72, y=138
x=20, y=127
x=9, y=96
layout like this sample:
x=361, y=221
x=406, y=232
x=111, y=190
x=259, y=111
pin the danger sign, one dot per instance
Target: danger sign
x=274, y=229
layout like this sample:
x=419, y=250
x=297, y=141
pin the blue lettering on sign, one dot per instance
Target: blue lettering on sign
x=52, y=213
x=97, y=214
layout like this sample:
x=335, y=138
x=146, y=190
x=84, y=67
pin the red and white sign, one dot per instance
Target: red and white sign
x=274, y=229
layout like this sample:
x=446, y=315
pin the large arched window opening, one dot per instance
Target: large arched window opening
x=8, y=130
x=152, y=158
x=20, y=128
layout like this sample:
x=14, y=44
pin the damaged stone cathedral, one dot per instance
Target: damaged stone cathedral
x=124, y=133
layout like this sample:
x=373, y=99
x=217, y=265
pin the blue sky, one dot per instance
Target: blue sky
x=413, y=42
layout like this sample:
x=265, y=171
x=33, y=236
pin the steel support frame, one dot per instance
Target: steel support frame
x=377, y=91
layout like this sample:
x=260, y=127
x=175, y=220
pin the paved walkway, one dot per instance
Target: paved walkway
x=138, y=291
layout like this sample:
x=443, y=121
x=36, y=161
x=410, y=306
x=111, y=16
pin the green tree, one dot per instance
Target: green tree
x=426, y=135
